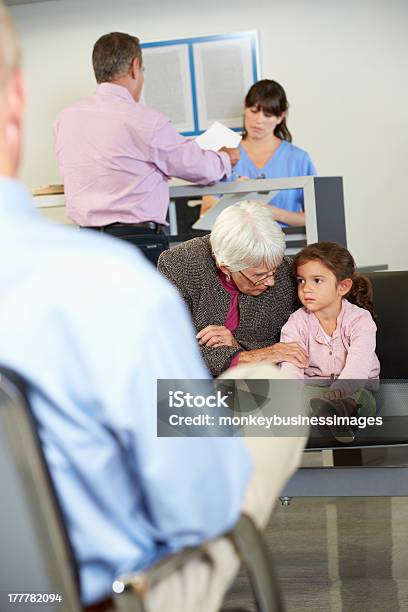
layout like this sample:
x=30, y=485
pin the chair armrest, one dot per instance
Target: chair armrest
x=131, y=588
x=251, y=548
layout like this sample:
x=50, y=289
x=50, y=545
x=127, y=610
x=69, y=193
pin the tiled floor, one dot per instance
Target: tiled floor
x=338, y=555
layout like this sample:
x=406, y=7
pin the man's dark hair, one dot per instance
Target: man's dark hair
x=113, y=54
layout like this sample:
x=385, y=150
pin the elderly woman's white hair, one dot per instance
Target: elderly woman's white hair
x=10, y=54
x=245, y=235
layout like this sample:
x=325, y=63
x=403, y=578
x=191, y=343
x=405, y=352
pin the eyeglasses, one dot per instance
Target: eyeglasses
x=263, y=280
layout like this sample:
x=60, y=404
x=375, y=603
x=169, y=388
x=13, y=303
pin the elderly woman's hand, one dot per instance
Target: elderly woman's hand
x=281, y=351
x=213, y=336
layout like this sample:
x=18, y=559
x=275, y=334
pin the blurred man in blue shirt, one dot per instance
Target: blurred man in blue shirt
x=92, y=326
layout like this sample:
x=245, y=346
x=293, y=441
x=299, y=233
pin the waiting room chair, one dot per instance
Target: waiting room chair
x=35, y=554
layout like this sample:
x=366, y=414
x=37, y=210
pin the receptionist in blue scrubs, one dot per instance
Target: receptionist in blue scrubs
x=266, y=150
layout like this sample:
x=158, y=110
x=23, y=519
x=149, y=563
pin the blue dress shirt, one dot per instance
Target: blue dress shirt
x=92, y=326
x=287, y=160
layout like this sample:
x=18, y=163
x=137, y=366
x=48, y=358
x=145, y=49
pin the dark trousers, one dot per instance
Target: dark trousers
x=150, y=241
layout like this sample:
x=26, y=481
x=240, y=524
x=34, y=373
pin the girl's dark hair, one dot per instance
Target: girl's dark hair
x=269, y=97
x=338, y=259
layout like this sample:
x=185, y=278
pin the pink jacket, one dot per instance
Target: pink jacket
x=350, y=353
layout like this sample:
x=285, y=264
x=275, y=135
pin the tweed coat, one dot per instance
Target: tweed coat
x=192, y=269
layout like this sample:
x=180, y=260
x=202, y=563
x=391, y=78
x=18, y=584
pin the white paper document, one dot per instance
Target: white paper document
x=217, y=136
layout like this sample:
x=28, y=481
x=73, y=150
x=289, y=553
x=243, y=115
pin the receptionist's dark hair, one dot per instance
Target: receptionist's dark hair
x=113, y=54
x=269, y=97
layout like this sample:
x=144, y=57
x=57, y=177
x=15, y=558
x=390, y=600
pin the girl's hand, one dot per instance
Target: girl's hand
x=334, y=394
x=213, y=336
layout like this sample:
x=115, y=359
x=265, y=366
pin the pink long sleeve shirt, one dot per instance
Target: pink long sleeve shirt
x=115, y=156
x=349, y=354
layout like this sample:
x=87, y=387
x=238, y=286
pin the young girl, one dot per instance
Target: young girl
x=266, y=150
x=336, y=329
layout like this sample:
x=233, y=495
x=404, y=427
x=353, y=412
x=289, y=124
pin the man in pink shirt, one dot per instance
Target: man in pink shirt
x=115, y=154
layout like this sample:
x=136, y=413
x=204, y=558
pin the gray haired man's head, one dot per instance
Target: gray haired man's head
x=113, y=55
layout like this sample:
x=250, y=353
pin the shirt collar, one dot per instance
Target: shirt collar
x=15, y=198
x=118, y=91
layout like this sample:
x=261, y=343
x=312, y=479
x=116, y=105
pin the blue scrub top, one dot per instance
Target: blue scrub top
x=287, y=160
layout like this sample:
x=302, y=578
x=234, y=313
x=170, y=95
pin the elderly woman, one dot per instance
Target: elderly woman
x=238, y=287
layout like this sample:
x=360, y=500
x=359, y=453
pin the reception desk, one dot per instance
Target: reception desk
x=323, y=198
